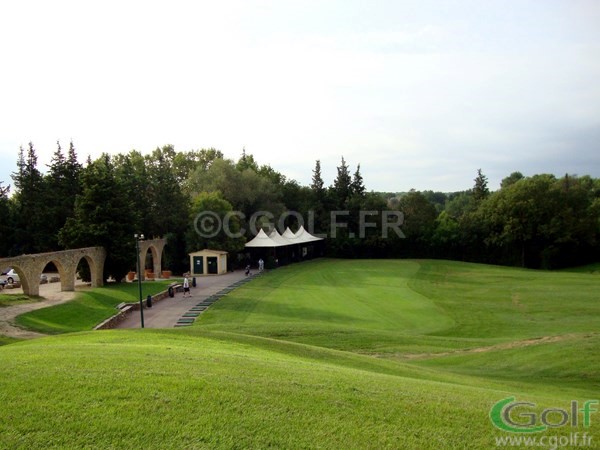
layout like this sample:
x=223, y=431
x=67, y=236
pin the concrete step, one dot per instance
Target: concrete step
x=185, y=320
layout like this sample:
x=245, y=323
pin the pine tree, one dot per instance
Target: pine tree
x=480, y=190
x=29, y=234
x=318, y=223
x=317, y=184
x=19, y=175
x=5, y=223
x=358, y=187
x=73, y=170
x=342, y=186
x=104, y=216
x=62, y=187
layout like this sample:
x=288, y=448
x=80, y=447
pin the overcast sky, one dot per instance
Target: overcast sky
x=420, y=93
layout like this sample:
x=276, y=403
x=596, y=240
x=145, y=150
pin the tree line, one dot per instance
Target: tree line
x=539, y=221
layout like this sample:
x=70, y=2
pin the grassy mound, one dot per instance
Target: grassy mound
x=167, y=389
x=328, y=354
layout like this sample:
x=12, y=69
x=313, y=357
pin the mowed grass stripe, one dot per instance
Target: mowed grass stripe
x=508, y=303
x=364, y=306
x=351, y=294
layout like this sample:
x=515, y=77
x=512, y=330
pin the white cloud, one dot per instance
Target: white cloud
x=420, y=93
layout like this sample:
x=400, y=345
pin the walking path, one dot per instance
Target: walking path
x=170, y=311
x=164, y=314
x=52, y=295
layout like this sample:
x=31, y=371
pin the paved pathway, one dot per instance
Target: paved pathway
x=168, y=312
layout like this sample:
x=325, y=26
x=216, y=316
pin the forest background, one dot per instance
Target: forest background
x=538, y=221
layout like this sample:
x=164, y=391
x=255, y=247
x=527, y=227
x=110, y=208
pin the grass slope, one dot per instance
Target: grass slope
x=88, y=309
x=347, y=305
x=506, y=303
x=327, y=354
x=15, y=299
x=188, y=389
x=399, y=307
x=490, y=322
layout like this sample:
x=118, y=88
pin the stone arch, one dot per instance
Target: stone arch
x=21, y=271
x=62, y=272
x=30, y=267
x=95, y=281
x=156, y=247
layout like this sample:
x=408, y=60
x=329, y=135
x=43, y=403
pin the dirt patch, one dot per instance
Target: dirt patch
x=51, y=295
x=503, y=346
x=516, y=300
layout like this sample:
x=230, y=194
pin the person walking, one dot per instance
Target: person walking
x=261, y=265
x=186, y=286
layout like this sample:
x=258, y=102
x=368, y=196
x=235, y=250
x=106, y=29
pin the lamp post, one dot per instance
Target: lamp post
x=138, y=238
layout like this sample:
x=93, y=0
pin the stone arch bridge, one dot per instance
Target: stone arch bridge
x=30, y=267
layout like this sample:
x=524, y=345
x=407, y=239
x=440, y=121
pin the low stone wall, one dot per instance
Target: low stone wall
x=119, y=317
x=115, y=320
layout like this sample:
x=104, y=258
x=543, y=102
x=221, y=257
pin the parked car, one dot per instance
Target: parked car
x=10, y=276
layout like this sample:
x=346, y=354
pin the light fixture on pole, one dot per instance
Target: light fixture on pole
x=138, y=238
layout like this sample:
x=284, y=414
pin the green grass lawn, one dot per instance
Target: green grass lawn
x=190, y=389
x=89, y=308
x=327, y=354
x=402, y=307
x=15, y=299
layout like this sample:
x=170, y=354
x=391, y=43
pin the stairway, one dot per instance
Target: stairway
x=189, y=317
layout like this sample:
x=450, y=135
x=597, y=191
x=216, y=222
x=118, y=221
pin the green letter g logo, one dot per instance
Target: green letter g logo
x=500, y=417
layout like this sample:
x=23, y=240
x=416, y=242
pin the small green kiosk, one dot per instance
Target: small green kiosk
x=208, y=262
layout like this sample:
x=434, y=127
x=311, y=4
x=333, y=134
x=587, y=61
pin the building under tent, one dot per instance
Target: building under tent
x=276, y=249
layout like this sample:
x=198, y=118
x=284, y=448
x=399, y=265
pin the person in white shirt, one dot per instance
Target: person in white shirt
x=186, y=287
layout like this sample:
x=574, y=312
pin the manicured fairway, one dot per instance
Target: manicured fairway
x=328, y=354
x=399, y=307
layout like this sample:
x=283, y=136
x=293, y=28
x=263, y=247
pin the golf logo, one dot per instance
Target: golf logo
x=520, y=417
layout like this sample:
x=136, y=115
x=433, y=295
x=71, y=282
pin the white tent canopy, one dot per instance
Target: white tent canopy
x=304, y=236
x=275, y=236
x=262, y=240
x=274, y=239
x=289, y=234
